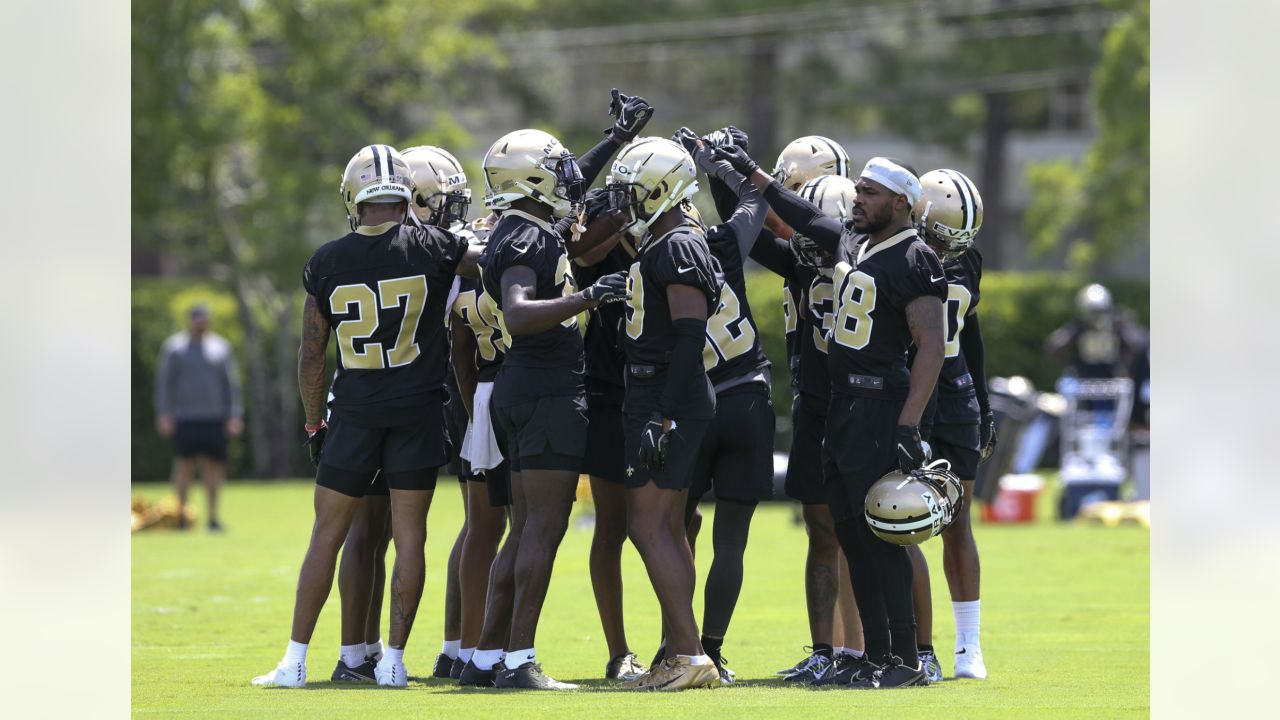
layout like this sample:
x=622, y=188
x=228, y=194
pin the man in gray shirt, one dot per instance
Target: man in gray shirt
x=198, y=405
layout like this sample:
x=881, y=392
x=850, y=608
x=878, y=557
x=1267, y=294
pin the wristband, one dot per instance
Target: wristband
x=313, y=429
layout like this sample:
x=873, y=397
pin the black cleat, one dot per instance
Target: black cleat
x=455, y=671
x=215, y=526
x=473, y=676
x=846, y=670
x=813, y=669
x=444, y=666
x=529, y=676
x=360, y=673
x=624, y=667
x=893, y=674
x=797, y=666
x=722, y=666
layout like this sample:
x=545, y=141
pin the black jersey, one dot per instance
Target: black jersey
x=605, y=356
x=963, y=279
x=681, y=257
x=817, y=321
x=792, y=319
x=479, y=312
x=383, y=291
x=519, y=239
x=873, y=286
x=733, y=349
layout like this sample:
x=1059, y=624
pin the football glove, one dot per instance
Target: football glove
x=631, y=113
x=987, y=436
x=806, y=251
x=653, y=444
x=738, y=158
x=315, y=441
x=687, y=139
x=913, y=452
x=726, y=136
x=609, y=288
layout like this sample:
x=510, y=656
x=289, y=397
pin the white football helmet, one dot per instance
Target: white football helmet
x=909, y=509
x=806, y=158
x=949, y=212
x=440, y=193
x=377, y=173
x=651, y=176
x=834, y=195
x=531, y=164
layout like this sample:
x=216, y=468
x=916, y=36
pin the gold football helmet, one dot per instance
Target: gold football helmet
x=650, y=176
x=807, y=158
x=531, y=164
x=440, y=193
x=949, y=212
x=377, y=173
x=909, y=509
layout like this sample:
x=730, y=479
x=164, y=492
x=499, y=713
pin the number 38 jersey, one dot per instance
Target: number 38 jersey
x=479, y=312
x=382, y=290
x=681, y=257
x=873, y=286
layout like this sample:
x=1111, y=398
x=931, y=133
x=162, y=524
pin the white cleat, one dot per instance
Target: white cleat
x=391, y=674
x=969, y=663
x=287, y=674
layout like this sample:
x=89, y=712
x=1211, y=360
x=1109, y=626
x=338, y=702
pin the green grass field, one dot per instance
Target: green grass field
x=1065, y=626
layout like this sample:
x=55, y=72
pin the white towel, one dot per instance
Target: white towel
x=480, y=444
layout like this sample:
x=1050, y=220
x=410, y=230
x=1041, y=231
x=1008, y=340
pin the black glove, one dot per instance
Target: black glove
x=806, y=251
x=632, y=112
x=738, y=158
x=987, y=436
x=913, y=452
x=687, y=139
x=726, y=136
x=609, y=288
x=701, y=152
x=315, y=441
x=653, y=444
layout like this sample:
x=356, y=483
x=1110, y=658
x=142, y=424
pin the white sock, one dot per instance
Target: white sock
x=516, y=658
x=486, y=659
x=451, y=648
x=392, y=656
x=854, y=652
x=837, y=650
x=968, y=622
x=697, y=659
x=373, y=649
x=465, y=654
x=353, y=655
x=296, y=652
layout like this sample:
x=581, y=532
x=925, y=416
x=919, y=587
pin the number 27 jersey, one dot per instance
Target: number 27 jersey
x=382, y=290
x=867, y=353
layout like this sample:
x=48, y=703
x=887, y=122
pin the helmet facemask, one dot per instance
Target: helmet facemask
x=949, y=243
x=447, y=208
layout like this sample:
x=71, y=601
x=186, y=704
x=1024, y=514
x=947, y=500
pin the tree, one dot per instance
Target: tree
x=1099, y=206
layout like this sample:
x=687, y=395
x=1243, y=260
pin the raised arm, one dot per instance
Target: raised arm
x=794, y=210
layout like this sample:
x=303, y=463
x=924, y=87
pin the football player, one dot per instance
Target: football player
x=669, y=402
x=808, y=307
x=538, y=395
x=737, y=453
x=812, y=273
x=631, y=112
x=958, y=424
x=889, y=293
x=381, y=289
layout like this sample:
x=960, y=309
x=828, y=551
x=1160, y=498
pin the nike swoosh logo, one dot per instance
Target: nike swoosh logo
x=683, y=270
x=936, y=279
x=960, y=651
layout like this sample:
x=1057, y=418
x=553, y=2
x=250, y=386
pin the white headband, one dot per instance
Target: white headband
x=893, y=176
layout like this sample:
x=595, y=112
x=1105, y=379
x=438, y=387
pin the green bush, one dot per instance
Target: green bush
x=160, y=310
x=1018, y=310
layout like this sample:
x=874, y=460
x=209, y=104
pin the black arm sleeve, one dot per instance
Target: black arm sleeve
x=684, y=372
x=975, y=359
x=804, y=216
x=596, y=159
x=774, y=254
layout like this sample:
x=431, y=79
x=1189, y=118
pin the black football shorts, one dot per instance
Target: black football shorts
x=455, y=425
x=605, y=444
x=804, y=466
x=957, y=444
x=409, y=456
x=859, y=449
x=201, y=438
x=684, y=442
x=549, y=433
x=737, y=454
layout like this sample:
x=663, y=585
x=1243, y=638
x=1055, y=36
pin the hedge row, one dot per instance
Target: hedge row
x=1018, y=311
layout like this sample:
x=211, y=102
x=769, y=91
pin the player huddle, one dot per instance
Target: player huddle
x=664, y=398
